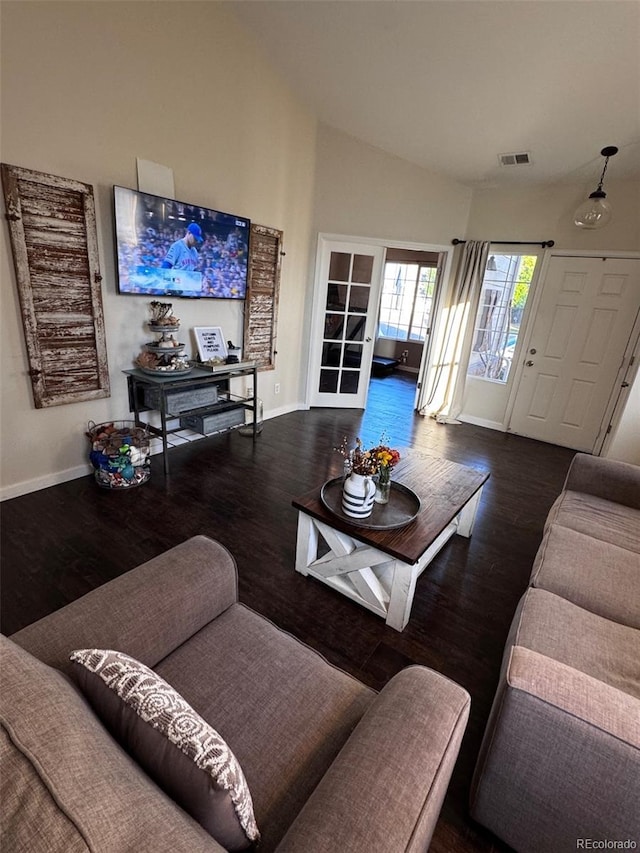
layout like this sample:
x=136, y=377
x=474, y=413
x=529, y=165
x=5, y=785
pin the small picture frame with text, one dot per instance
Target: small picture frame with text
x=210, y=342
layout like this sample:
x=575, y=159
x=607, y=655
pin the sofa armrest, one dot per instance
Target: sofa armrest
x=605, y=478
x=385, y=788
x=146, y=612
x=576, y=693
x=559, y=759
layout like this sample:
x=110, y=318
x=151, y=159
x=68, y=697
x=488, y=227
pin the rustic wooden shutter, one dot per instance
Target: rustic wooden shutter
x=261, y=305
x=52, y=226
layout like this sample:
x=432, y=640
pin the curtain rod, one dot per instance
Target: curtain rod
x=544, y=244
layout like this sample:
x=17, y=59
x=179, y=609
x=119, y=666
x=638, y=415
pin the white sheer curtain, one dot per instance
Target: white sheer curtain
x=441, y=395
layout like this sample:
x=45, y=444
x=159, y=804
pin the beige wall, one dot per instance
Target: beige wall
x=394, y=349
x=546, y=213
x=363, y=191
x=87, y=88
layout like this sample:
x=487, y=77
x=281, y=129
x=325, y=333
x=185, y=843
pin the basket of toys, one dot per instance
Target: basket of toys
x=120, y=454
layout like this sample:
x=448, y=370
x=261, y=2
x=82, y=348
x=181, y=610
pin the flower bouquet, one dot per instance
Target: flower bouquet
x=387, y=458
x=372, y=468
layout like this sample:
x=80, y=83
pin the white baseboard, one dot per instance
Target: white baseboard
x=284, y=410
x=54, y=479
x=28, y=486
x=469, y=419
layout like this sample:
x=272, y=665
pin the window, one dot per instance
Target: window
x=408, y=291
x=505, y=289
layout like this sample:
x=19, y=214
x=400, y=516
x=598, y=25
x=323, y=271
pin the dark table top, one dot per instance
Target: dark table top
x=195, y=374
x=443, y=488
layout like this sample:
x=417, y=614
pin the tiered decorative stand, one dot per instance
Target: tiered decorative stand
x=167, y=353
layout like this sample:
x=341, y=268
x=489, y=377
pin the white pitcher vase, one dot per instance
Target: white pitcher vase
x=358, y=493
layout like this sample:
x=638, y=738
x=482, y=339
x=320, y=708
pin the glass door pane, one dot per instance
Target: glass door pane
x=344, y=322
x=343, y=331
x=505, y=289
x=407, y=301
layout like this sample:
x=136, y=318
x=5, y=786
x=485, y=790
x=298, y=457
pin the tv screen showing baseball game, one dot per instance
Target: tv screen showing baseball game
x=169, y=248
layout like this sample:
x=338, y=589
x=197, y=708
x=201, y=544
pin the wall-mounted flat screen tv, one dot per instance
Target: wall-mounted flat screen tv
x=168, y=248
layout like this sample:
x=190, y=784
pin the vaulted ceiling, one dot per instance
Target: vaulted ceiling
x=451, y=84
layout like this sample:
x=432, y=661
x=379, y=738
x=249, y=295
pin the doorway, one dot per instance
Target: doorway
x=505, y=304
x=578, y=351
x=407, y=308
x=347, y=292
x=346, y=319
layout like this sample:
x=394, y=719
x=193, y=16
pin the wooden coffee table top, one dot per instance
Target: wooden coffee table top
x=443, y=487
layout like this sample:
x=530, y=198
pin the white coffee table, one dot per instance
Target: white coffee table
x=379, y=568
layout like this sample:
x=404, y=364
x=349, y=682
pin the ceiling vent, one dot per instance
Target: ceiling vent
x=522, y=158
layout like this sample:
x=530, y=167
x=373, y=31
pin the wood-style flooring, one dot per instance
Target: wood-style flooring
x=61, y=542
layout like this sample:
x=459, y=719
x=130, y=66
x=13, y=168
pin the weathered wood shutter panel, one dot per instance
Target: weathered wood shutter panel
x=52, y=226
x=261, y=305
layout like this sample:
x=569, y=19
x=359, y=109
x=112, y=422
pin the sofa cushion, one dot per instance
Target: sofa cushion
x=180, y=750
x=597, y=517
x=591, y=573
x=282, y=708
x=61, y=767
x=564, y=632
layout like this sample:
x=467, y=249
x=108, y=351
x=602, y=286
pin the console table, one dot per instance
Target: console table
x=144, y=387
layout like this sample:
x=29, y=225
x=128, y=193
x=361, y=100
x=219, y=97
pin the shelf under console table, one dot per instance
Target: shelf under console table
x=194, y=396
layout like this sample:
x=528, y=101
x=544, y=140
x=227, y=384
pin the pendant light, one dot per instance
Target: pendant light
x=596, y=210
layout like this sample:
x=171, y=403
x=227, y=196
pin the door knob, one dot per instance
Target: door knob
x=529, y=363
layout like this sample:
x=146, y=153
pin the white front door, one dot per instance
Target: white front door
x=347, y=292
x=574, y=356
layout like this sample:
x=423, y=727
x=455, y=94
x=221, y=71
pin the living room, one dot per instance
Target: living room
x=90, y=87
x=279, y=166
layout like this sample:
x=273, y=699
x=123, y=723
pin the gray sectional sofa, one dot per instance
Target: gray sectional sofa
x=559, y=767
x=331, y=764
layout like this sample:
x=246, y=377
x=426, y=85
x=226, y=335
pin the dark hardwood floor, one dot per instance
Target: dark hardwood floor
x=61, y=542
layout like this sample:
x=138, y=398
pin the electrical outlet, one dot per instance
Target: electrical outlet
x=276, y=388
x=249, y=391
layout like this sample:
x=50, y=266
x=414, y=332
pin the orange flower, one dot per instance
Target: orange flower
x=387, y=457
x=371, y=461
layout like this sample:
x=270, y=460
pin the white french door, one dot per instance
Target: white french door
x=346, y=297
x=575, y=355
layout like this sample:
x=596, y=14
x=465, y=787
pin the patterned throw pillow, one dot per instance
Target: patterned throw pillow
x=181, y=752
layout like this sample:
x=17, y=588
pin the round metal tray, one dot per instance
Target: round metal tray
x=403, y=506
x=163, y=329
x=165, y=350
x=153, y=371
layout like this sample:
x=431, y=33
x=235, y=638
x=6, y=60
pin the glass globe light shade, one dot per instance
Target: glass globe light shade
x=594, y=212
